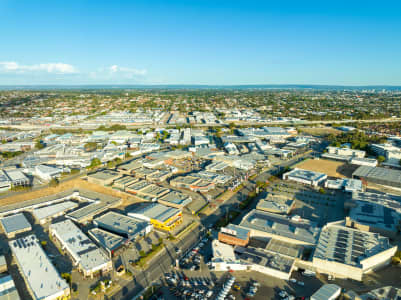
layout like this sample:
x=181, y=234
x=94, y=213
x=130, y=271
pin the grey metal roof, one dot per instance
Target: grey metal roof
x=177, y=198
x=121, y=224
x=155, y=211
x=106, y=239
x=326, y=292
x=7, y=289
x=40, y=274
x=389, y=175
x=349, y=246
x=281, y=226
x=15, y=223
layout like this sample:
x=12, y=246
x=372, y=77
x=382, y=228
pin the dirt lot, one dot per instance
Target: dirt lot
x=330, y=167
x=320, y=130
x=75, y=183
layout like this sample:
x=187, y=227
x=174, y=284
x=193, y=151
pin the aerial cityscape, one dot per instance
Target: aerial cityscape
x=159, y=157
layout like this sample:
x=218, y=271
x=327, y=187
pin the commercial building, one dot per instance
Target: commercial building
x=327, y=292
x=41, y=277
x=348, y=185
x=47, y=173
x=374, y=217
x=5, y=183
x=130, y=167
x=7, y=289
x=128, y=227
x=346, y=152
x=234, y=235
x=104, y=177
x=371, y=162
x=47, y=213
x=84, y=253
x=17, y=178
x=380, y=176
x=227, y=257
x=146, y=189
x=175, y=199
x=305, y=176
x=160, y=216
x=344, y=252
x=278, y=204
x=192, y=183
x=293, y=230
x=15, y=224
x=123, y=182
x=110, y=242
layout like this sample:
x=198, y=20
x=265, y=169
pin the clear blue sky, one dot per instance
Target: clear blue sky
x=200, y=42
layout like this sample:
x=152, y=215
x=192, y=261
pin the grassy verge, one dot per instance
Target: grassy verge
x=143, y=260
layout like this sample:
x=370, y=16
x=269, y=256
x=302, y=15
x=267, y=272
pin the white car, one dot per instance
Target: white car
x=283, y=294
x=293, y=280
x=300, y=283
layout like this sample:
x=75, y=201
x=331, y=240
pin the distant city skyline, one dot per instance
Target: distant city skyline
x=200, y=42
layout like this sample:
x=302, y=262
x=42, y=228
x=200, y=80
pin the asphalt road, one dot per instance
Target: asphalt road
x=159, y=265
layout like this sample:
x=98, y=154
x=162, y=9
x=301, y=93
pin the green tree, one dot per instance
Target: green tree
x=90, y=146
x=95, y=163
x=381, y=158
x=39, y=145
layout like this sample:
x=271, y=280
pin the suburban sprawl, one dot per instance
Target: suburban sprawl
x=206, y=193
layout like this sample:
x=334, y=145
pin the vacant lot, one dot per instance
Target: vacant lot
x=330, y=167
x=321, y=131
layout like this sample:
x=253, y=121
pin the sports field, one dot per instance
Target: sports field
x=330, y=167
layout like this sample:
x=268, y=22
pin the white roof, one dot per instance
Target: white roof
x=79, y=245
x=51, y=210
x=41, y=276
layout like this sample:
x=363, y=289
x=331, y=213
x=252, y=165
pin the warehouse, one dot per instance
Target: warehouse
x=373, y=217
x=125, y=226
x=47, y=213
x=15, y=224
x=348, y=253
x=123, y=182
x=160, y=216
x=377, y=175
x=108, y=241
x=175, y=199
x=41, y=277
x=292, y=230
x=84, y=253
x=305, y=176
x=104, y=177
x=130, y=167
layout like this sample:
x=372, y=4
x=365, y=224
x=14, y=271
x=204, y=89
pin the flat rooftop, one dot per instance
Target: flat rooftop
x=79, y=245
x=104, y=175
x=276, y=203
x=15, y=223
x=306, y=174
x=106, y=239
x=155, y=211
x=131, y=165
x=349, y=246
x=120, y=223
x=265, y=258
x=279, y=225
x=39, y=273
x=44, y=212
x=383, y=174
x=177, y=198
x=7, y=289
x=287, y=249
x=375, y=215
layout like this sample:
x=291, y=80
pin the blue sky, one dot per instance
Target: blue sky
x=200, y=42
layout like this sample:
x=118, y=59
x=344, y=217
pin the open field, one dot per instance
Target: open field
x=330, y=167
x=320, y=130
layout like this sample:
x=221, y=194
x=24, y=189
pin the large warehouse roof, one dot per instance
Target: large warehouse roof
x=389, y=175
x=41, y=276
x=15, y=223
